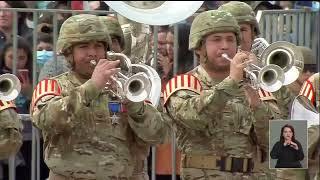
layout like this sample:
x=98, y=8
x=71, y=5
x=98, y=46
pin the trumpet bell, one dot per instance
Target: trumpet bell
x=137, y=87
x=271, y=78
x=287, y=57
x=155, y=12
x=155, y=93
x=10, y=87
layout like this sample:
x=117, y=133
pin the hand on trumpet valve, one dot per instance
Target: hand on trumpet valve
x=237, y=65
x=103, y=72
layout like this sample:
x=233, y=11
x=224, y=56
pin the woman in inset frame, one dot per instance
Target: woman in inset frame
x=288, y=150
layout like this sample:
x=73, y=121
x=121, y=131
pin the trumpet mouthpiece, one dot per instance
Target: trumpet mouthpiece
x=93, y=62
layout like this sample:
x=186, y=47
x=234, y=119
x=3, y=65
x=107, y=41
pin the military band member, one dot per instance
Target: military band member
x=213, y=110
x=311, y=90
x=10, y=130
x=88, y=132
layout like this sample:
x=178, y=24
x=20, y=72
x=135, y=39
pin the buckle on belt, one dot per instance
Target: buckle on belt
x=231, y=164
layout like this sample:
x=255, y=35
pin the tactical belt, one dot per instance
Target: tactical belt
x=231, y=164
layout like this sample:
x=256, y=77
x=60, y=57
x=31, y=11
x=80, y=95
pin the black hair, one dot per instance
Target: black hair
x=22, y=44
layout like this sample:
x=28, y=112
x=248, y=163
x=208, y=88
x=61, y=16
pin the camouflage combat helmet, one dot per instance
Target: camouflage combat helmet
x=213, y=21
x=242, y=12
x=81, y=28
x=308, y=57
x=114, y=28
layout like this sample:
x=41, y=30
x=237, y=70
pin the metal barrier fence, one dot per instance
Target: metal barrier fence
x=298, y=26
x=35, y=135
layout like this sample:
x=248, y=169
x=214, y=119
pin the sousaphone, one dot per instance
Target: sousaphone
x=155, y=12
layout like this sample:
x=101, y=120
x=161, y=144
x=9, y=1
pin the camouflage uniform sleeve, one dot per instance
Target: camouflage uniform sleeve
x=192, y=109
x=285, y=99
x=265, y=112
x=10, y=133
x=57, y=114
x=147, y=122
x=313, y=141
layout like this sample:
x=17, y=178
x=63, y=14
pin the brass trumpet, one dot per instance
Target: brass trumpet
x=136, y=82
x=270, y=77
x=10, y=87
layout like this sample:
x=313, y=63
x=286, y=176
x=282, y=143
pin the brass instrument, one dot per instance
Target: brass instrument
x=270, y=78
x=281, y=53
x=10, y=87
x=155, y=12
x=136, y=82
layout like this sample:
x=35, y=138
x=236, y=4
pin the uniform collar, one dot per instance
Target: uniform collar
x=204, y=77
x=75, y=79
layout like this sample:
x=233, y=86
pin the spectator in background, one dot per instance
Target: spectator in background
x=185, y=56
x=24, y=70
x=6, y=20
x=60, y=5
x=44, y=50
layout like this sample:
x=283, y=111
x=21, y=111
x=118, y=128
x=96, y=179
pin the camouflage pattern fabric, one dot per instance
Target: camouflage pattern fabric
x=242, y=12
x=79, y=139
x=211, y=22
x=114, y=28
x=218, y=121
x=81, y=28
x=138, y=35
x=10, y=132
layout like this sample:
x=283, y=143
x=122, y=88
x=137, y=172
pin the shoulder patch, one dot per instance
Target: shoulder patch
x=308, y=91
x=6, y=104
x=264, y=95
x=184, y=81
x=44, y=88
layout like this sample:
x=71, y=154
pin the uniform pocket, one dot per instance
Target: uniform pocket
x=242, y=119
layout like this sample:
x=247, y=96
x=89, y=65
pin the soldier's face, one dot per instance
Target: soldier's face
x=246, y=37
x=214, y=46
x=83, y=53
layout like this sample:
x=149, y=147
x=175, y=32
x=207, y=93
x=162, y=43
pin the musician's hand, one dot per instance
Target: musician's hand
x=252, y=96
x=238, y=63
x=103, y=72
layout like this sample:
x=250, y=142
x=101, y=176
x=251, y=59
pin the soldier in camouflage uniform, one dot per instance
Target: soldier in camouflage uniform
x=10, y=130
x=213, y=112
x=88, y=133
x=248, y=23
x=249, y=28
x=310, y=91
